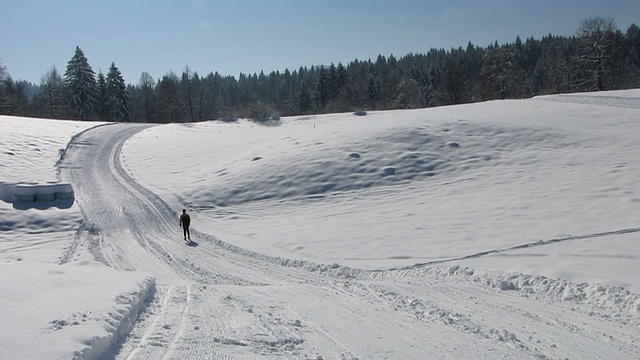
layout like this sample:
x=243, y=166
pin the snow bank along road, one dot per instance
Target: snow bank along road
x=217, y=301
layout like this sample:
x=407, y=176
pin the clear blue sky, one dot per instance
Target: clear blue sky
x=248, y=36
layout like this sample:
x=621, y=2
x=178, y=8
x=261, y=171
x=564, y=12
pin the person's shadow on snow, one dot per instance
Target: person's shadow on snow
x=192, y=243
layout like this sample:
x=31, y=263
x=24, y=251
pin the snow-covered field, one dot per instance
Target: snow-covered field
x=51, y=306
x=505, y=229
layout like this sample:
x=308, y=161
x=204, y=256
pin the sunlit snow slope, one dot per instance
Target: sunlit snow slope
x=403, y=187
x=496, y=230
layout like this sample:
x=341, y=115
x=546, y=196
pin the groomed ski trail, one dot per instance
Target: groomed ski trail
x=218, y=301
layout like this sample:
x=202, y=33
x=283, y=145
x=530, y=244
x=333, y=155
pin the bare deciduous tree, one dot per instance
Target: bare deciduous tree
x=147, y=97
x=595, y=36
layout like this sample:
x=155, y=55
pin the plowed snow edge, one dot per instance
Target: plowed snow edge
x=128, y=307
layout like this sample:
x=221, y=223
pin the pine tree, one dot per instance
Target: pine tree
x=408, y=95
x=452, y=82
x=3, y=75
x=169, y=101
x=5, y=101
x=373, y=91
x=117, y=98
x=102, y=110
x=500, y=73
x=304, y=99
x=632, y=61
x=52, y=87
x=322, y=88
x=332, y=82
x=7, y=95
x=554, y=67
x=80, y=87
x=341, y=77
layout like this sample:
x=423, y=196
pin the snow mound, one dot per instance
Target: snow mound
x=612, y=301
x=389, y=157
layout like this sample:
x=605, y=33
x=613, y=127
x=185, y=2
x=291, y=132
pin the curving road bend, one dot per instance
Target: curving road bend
x=218, y=301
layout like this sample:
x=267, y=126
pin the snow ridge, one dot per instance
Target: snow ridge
x=128, y=307
x=622, y=303
x=611, y=302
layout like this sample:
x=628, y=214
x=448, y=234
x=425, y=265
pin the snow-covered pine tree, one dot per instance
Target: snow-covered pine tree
x=103, y=108
x=117, y=98
x=80, y=87
x=341, y=77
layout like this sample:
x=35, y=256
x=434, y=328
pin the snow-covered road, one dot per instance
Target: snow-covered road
x=215, y=300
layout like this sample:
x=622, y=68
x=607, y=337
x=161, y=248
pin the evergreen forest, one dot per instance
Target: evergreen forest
x=598, y=57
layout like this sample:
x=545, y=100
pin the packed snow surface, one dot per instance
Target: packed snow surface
x=504, y=229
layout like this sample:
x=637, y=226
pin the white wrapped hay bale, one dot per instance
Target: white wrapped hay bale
x=64, y=191
x=46, y=192
x=25, y=193
x=7, y=191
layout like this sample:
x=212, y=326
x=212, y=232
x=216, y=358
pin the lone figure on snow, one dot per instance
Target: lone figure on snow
x=185, y=220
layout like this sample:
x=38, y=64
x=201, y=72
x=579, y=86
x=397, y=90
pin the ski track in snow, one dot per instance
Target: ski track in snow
x=590, y=99
x=524, y=246
x=217, y=301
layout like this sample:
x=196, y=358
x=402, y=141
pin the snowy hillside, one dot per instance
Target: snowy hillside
x=402, y=187
x=504, y=229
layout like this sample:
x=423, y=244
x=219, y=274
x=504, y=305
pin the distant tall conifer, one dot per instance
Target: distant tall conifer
x=80, y=87
x=117, y=98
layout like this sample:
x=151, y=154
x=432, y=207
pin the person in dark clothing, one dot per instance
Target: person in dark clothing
x=185, y=221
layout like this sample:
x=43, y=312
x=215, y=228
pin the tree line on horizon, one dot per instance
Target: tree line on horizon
x=599, y=57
